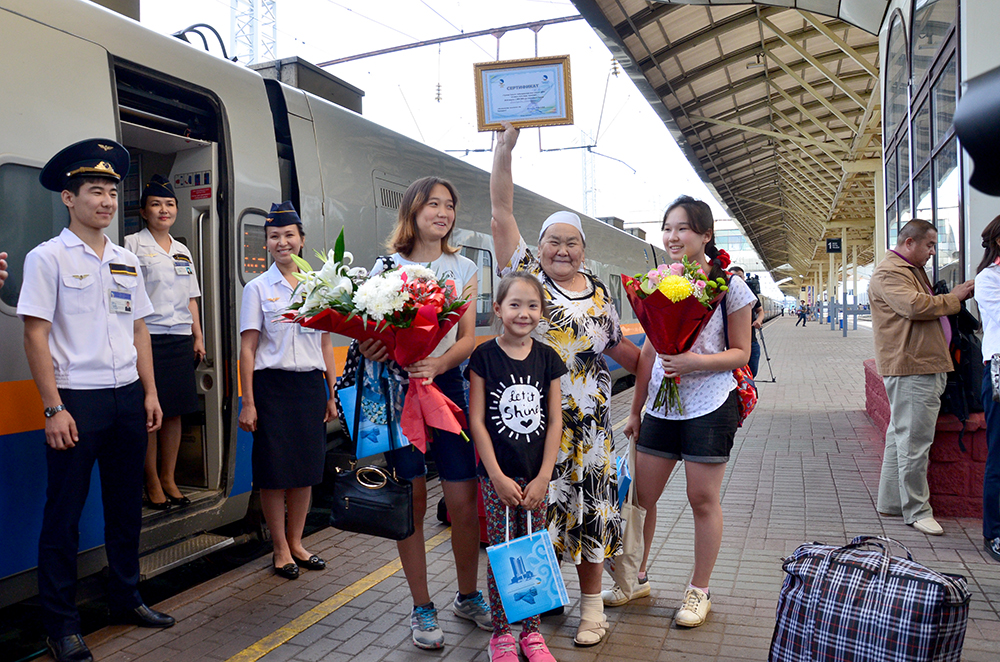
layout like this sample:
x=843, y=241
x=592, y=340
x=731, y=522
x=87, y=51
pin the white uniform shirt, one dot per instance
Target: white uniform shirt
x=283, y=344
x=988, y=300
x=65, y=283
x=170, y=280
x=452, y=266
x=704, y=391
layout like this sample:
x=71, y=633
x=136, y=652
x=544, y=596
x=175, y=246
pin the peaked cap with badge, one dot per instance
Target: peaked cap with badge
x=282, y=214
x=157, y=187
x=95, y=157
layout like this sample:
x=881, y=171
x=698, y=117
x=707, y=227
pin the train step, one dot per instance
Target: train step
x=183, y=552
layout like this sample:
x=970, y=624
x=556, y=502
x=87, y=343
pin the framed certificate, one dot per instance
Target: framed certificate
x=534, y=92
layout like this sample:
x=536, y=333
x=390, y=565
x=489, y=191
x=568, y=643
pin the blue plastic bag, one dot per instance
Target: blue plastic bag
x=372, y=423
x=624, y=479
x=527, y=575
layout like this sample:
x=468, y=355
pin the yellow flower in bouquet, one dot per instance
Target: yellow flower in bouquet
x=676, y=288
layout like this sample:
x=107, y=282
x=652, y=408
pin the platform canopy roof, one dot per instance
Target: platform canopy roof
x=776, y=105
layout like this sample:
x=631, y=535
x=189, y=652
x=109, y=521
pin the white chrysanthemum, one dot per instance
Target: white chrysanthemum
x=418, y=271
x=380, y=296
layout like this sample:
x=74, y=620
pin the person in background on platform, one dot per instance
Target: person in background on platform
x=803, y=313
x=758, y=322
x=517, y=447
x=82, y=302
x=174, y=333
x=911, y=352
x=702, y=430
x=988, y=300
x=582, y=326
x=285, y=401
x=3, y=268
x=423, y=236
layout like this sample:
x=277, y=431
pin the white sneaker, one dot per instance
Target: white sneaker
x=616, y=596
x=695, y=609
x=929, y=526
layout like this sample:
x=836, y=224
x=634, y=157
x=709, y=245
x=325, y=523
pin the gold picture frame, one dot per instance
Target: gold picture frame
x=528, y=92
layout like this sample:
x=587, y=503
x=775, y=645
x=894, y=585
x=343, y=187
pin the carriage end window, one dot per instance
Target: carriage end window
x=484, y=301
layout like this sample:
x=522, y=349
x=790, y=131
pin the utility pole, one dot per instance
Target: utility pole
x=254, y=31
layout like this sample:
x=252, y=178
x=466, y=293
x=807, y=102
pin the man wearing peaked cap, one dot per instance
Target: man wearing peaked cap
x=282, y=214
x=96, y=157
x=82, y=302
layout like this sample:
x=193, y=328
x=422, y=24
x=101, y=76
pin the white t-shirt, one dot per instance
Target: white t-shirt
x=703, y=392
x=452, y=266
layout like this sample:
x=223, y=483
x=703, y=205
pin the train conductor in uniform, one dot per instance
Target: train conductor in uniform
x=82, y=302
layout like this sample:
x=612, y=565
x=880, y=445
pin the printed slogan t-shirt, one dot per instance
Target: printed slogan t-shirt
x=516, y=404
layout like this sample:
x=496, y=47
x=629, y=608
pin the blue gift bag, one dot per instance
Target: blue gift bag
x=372, y=422
x=624, y=479
x=527, y=574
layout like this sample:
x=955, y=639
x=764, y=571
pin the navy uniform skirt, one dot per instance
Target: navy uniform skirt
x=173, y=372
x=289, y=446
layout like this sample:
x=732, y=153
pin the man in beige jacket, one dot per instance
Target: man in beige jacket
x=911, y=352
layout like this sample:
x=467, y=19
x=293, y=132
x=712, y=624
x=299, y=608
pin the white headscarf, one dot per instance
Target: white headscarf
x=567, y=217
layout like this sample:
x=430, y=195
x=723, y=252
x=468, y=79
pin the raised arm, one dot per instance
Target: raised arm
x=503, y=225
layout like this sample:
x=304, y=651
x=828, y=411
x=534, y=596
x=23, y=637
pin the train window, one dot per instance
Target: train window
x=254, y=246
x=484, y=302
x=30, y=216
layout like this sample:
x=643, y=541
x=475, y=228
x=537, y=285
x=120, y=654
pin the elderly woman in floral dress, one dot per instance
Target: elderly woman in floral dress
x=582, y=326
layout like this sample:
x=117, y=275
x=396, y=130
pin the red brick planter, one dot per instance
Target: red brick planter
x=955, y=476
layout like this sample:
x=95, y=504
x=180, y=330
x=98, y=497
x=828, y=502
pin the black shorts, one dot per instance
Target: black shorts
x=707, y=439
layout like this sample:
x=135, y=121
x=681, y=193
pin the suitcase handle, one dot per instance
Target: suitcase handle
x=861, y=541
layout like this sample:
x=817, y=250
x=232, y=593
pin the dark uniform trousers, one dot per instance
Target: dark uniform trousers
x=112, y=428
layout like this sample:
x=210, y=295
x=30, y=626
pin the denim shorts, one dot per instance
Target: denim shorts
x=454, y=457
x=707, y=439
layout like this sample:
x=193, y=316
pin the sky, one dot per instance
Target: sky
x=637, y=167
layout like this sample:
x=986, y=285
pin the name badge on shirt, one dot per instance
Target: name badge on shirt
x=121, y=302
x=182, y=265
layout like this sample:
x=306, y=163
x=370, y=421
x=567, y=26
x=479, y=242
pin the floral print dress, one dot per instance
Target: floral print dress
x=583, y=497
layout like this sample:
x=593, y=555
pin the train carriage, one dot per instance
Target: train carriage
x=231, y=143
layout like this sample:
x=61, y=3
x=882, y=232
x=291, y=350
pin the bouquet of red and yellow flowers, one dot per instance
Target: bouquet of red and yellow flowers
x=408, y=308
x=673, y=303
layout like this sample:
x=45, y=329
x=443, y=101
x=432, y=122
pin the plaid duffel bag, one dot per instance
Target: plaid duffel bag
x=850, y=604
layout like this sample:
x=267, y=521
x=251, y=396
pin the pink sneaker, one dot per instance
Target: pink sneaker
x=534, y=648
x=503, y=649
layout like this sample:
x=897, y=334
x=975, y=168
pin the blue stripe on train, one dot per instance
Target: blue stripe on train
x=22, y=502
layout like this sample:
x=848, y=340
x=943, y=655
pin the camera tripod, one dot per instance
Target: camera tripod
x=767, y=356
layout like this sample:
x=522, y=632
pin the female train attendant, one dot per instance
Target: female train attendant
x=582, y=326
x=423, y=230
x=285, y=402
x=988, y=300
x=701, y=431
x=175, y=334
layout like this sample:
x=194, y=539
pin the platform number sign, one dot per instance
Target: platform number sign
x=833, y=246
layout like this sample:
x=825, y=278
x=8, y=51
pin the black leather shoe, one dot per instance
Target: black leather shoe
x=144, y=617
x=288, y=571
x=993, y=548
x=312, y=563
x=179, y=502
x=69, y=649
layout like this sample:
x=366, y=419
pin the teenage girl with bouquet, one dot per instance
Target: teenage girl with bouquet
x=701, y=432
x=515, y=416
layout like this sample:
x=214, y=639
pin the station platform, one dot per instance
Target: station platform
x=805, y=468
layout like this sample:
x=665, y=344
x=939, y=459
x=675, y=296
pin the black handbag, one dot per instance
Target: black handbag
x=370, y=499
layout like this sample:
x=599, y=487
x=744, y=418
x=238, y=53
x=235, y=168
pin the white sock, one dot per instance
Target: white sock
x=591, y=608
x=703, y=590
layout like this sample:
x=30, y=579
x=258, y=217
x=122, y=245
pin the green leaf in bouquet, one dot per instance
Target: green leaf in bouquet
x=338, y=247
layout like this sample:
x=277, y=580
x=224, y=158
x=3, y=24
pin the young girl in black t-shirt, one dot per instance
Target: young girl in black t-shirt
x=515, y=415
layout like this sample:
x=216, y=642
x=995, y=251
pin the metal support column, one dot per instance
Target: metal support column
x=831, y=294
x=854, y=288
x=843, y=276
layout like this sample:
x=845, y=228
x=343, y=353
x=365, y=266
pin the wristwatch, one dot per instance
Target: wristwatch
x=52, y=411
